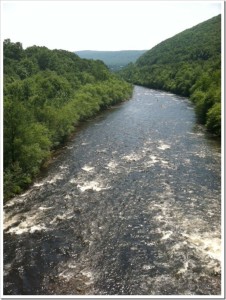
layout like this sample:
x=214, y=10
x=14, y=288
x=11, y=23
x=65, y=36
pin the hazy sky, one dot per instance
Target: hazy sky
x=100, y=25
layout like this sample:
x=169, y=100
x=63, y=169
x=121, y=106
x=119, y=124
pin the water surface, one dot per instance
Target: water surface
x=130, y=207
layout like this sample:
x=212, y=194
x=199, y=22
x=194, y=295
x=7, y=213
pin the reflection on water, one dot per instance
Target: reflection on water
x=131, y=207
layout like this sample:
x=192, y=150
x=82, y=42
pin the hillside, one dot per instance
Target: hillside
x=115, y=60
x=188, y=64
x=46, y=93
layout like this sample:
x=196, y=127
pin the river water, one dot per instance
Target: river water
x=131, y=206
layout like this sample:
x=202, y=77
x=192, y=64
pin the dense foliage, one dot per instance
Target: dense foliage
x=188, y=64
x=115, y=60
x=46, y=93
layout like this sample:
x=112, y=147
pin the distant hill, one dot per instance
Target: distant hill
x=115, y=60
x=188, y=64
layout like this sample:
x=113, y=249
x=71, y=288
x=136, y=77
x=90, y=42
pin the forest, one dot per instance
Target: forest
x=46, y=94
x=188, y=64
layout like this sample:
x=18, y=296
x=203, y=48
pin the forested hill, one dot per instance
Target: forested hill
x=46, y=93
x=188, y=64
x=115, y=60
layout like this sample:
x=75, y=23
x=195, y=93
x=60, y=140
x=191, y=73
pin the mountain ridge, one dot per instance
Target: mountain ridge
x=115, y=60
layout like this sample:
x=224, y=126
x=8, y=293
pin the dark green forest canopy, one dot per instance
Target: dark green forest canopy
x=46, y=93
x=188, y=64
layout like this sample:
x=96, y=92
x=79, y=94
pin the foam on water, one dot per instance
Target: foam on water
x=55, y=178
x=59, y=218
x=25, y=194
x=22, y=223
x=206, y=245
x=132, y=157
x=7, y=268
x=103, y=151
x=63, y=167
x=76, y=274
x=184, y=269
x=159, y=218
x=39, y=227
x=89, y=276
x=163, y=147
x=201, y=154
x=147, y=267
x=112, y=165
x=87, y=168
x=66, y=275
x=166, y=235
x=92, y=185
x=13, y=202
x=187, y=234
x=38, y=184
x=10, y=220
x=44, y=208
x=154, y=159
x=187, y=161
x=164, y=162
x=24, y=227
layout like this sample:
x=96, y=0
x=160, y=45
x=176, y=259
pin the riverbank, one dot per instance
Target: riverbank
x=131, y=207
x=60, y=124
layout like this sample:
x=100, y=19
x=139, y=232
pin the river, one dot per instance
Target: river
x=131, y=206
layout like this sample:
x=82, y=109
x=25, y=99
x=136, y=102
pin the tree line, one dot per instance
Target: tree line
x=46, y=94
x=188, y=64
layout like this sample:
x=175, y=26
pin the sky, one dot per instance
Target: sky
x=100, y=25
